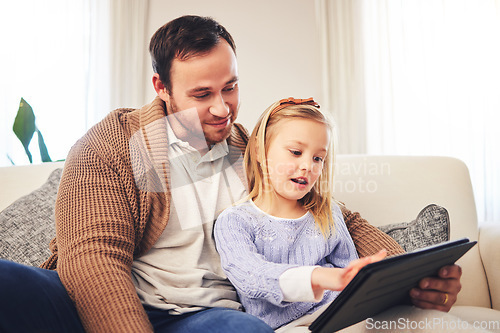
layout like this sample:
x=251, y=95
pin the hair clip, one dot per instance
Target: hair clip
x=293, y=101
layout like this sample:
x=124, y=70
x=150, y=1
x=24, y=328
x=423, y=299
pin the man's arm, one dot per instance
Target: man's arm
x=96, y=241
x=438, y=293
x=367, y=238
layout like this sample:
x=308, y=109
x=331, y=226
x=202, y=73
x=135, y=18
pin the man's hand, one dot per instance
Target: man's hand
x=438, y=293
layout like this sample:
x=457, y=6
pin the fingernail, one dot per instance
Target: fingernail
x=445, y=272
x=425, y=284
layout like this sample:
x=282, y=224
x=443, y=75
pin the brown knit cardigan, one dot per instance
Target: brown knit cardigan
x=104, y=219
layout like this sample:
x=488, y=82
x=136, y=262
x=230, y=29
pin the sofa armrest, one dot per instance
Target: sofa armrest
x=489, y=248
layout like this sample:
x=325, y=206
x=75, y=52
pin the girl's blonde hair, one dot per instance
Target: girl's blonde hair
x=319, y=200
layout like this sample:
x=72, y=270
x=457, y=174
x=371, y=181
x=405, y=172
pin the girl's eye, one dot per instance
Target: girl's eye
x=318, y=159
x=296, y=152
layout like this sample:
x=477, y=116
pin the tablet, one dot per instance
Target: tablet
x=383, y=284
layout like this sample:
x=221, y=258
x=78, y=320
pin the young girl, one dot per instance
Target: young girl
x=287, y=249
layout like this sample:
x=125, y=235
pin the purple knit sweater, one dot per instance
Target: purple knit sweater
x=256, y=248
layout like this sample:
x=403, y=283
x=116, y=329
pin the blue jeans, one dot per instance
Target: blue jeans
x=34, y=300
x=212, y=320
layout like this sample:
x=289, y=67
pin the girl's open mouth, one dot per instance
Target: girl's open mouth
x=299, y=180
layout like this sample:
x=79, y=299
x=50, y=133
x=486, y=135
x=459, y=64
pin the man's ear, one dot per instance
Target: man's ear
x=160, y=88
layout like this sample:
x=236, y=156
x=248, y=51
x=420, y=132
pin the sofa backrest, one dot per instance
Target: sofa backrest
x=16, y=181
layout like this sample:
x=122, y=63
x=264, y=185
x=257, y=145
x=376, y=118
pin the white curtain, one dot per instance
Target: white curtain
x=73, y=61
x=130, y=44
x=430, y=80
x=342, y=54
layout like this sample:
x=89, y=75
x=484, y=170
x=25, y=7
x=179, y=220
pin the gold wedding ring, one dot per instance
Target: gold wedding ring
x=445, y=298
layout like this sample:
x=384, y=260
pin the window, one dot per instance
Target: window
x=59, y=56
x=418, y=77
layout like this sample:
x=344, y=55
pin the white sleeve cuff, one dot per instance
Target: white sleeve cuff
x=295, y=284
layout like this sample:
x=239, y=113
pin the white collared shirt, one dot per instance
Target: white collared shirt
x=182, y=271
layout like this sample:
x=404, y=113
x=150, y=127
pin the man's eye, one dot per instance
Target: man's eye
x=230, y=88
x=201, y=96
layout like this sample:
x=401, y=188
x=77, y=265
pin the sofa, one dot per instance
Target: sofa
x=389, y=191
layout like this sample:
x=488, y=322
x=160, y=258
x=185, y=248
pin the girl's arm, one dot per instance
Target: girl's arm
x=343, y=260
x=326, y=278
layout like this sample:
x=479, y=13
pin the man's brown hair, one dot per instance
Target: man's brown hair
x=183, y=38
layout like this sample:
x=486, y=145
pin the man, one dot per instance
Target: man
x=137, y=201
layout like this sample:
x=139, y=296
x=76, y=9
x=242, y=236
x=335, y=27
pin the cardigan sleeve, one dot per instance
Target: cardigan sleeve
x=367, y=238
x=95, y=228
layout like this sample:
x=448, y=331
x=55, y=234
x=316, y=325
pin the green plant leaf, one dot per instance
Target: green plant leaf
x=24, y=125
x=44, y=153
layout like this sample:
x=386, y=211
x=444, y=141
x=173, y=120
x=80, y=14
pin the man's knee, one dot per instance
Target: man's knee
x=34, y=300
x=20, y=283
x=15, y=283
x=13, y=274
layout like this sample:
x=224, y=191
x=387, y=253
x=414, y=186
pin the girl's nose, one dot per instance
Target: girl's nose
x=305, y=164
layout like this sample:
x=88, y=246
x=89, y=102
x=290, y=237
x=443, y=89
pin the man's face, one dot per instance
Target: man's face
x=205, y=98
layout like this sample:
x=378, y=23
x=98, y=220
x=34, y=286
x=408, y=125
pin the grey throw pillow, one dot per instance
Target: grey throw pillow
x=27, y=226
x=432, y=226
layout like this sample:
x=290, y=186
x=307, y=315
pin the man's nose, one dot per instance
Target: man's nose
x=219, y=108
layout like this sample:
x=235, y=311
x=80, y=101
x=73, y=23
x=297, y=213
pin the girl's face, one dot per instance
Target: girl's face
x=295, y=157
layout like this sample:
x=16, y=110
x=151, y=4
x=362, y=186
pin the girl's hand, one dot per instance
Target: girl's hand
x=324, y=278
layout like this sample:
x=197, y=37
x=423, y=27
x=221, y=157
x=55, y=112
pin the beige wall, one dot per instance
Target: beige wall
x=277, y=45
